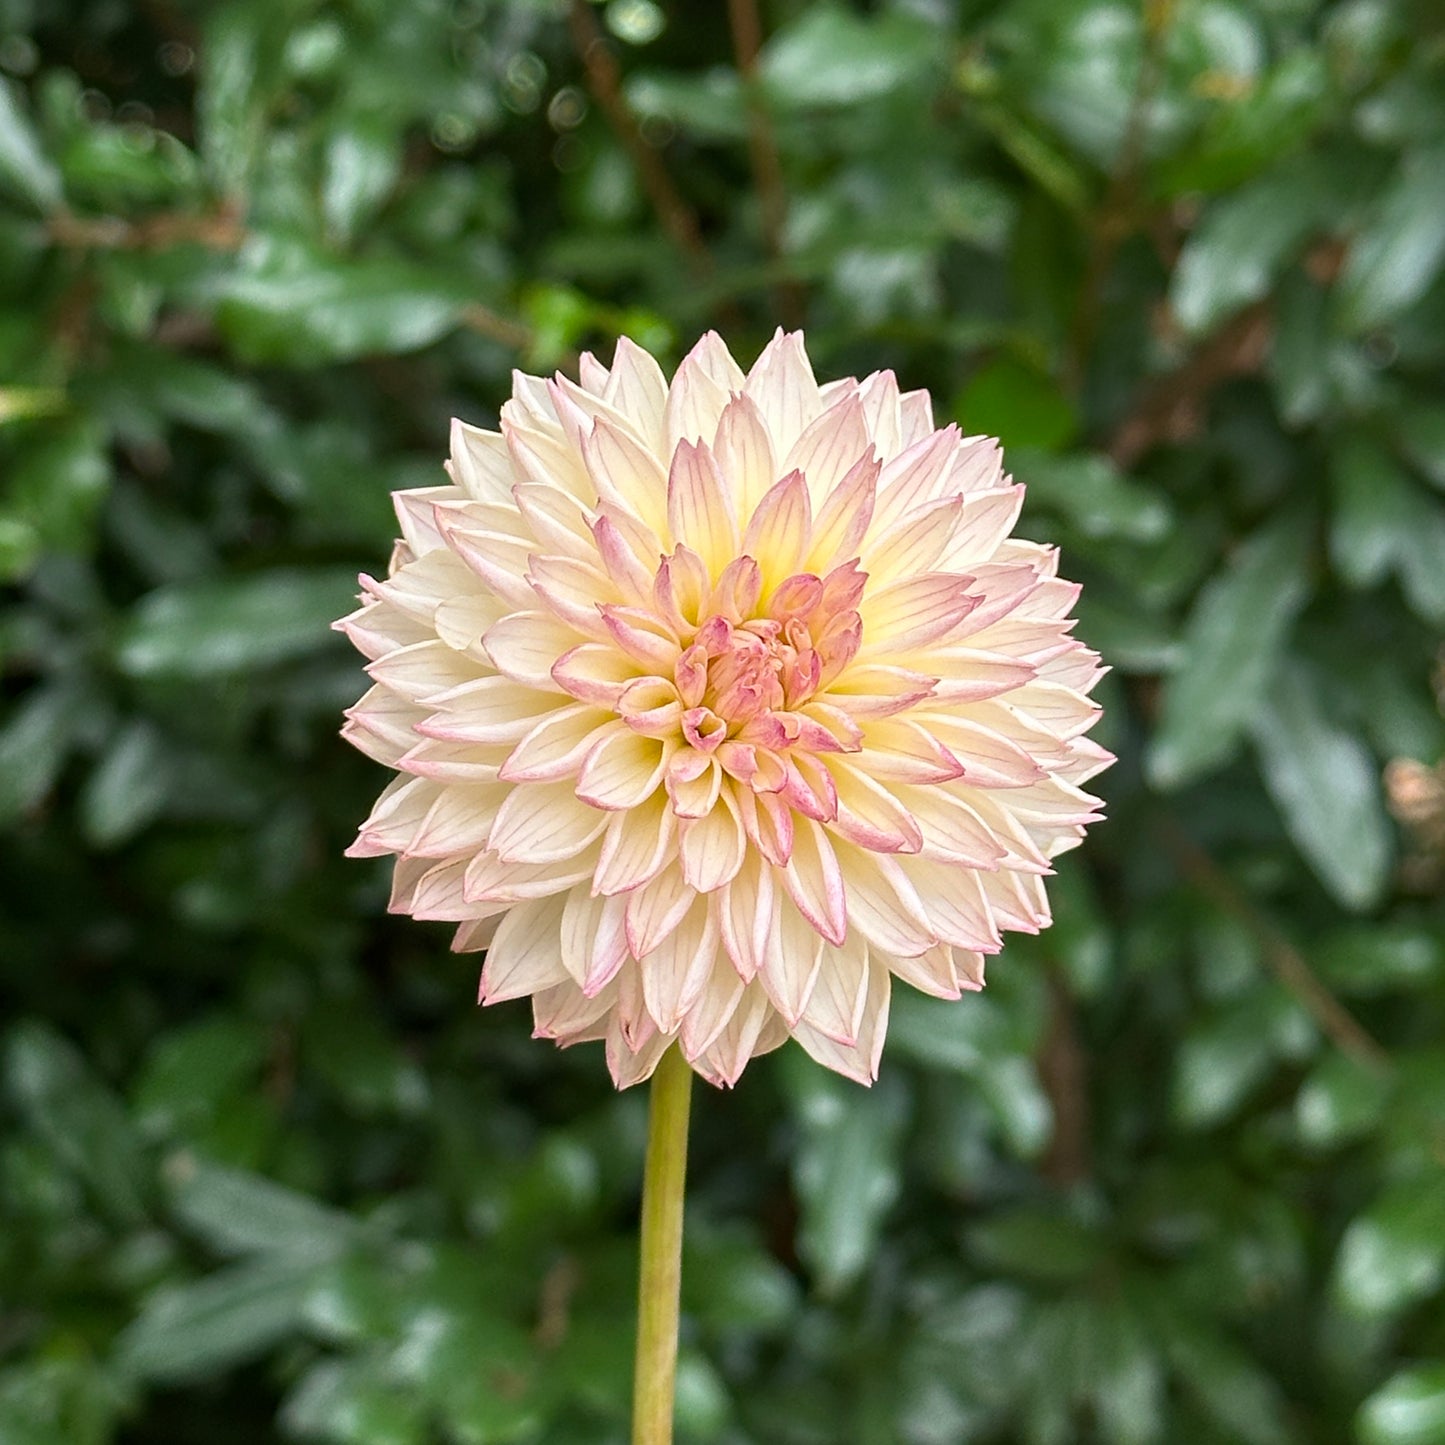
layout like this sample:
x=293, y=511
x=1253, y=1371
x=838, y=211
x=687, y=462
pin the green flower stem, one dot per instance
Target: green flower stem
x=660, y=1277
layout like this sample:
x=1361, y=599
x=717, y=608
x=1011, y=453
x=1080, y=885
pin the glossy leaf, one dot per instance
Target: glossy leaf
x=1232, y=644
x=220, y=627
x=1327, y=785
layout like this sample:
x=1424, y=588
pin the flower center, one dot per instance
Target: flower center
x=736, y=672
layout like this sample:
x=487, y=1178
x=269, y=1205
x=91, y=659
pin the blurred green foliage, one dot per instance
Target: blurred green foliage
x=266, y=1175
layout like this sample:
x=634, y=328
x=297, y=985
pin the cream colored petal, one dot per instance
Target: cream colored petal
x=481, y=465
x=656, y=908
x=638, y=389
x=724, y=1060
x=544, y=823
x=782, y=385
x=829, y=447
x=398, y=813
x=814, y=881
x=675, y=973
x=794, y=957
x=629, y=1066
x=869, y=814
x=425, y=670
x=899, y=618
x=844, y=518
x=629, y=477
x=437, y=894
x=710, y=1015
x=593, y=940
x=712, y=847
x=915, y=477
x=882, y=903
x=836, y=1006
x=489, y=879
x=700, y=507
x=695, y=404
x=881, y=412
x=525, y=646
x=524, y=956
x=416, y=515
x=745, y=913
x=563, y=1012
x=952, y=831
x=956, y=905
x=458, y=822
x=744, y=453
x=859, y=1061
x=557, y=746
x=780, y=531
x=933, y=972
x=623, y=770
x=915, y=416
x=490, y=710
x=985, y=519
x=914, y=542
x=636, y=846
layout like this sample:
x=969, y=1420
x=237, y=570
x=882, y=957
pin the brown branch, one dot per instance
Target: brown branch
x=1063, y=1070
x=1171, y=407
x=485, y=322
x=220, y=230
x=604, y=81
x=225, y=230
x=1286, y=962
x=763, y=155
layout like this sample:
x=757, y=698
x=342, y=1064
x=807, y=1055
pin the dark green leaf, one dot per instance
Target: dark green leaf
x=240, y=1213
x=1408, y=1409
x=830, y=56
x=79, y=1118
x=352, y=1403
x=1327, y=785
x=1394, y=1253
x=128, y=788
x=25, y=169
x=1092, y=495
x=189, y=1331
x=1235, y=254
x=299, y=307
x=846, y=1170
x=226, y=626
x=1231, y=648
x=1399, y=254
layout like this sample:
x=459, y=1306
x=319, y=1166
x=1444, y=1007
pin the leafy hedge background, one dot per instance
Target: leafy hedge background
x=267, y=1175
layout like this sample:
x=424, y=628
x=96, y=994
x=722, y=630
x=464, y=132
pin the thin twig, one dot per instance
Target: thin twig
x=1063, y=1071
x=1287, y=963
x=604, y=81
x=763, y=154
x=221, y=230
x=1171, y=407
x=485, y=322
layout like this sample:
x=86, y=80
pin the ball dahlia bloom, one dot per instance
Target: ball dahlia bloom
x=717, y=705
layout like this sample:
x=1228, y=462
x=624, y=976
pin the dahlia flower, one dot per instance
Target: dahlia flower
x=717, y=705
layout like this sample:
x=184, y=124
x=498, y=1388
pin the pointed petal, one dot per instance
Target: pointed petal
x=700, y=507
x=712, y=847
x=524, y=956
x=636, y=846
x=544, y=823
x=676, y=972
x=744, y=454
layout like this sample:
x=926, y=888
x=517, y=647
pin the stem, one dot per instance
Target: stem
x=661, y=1274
